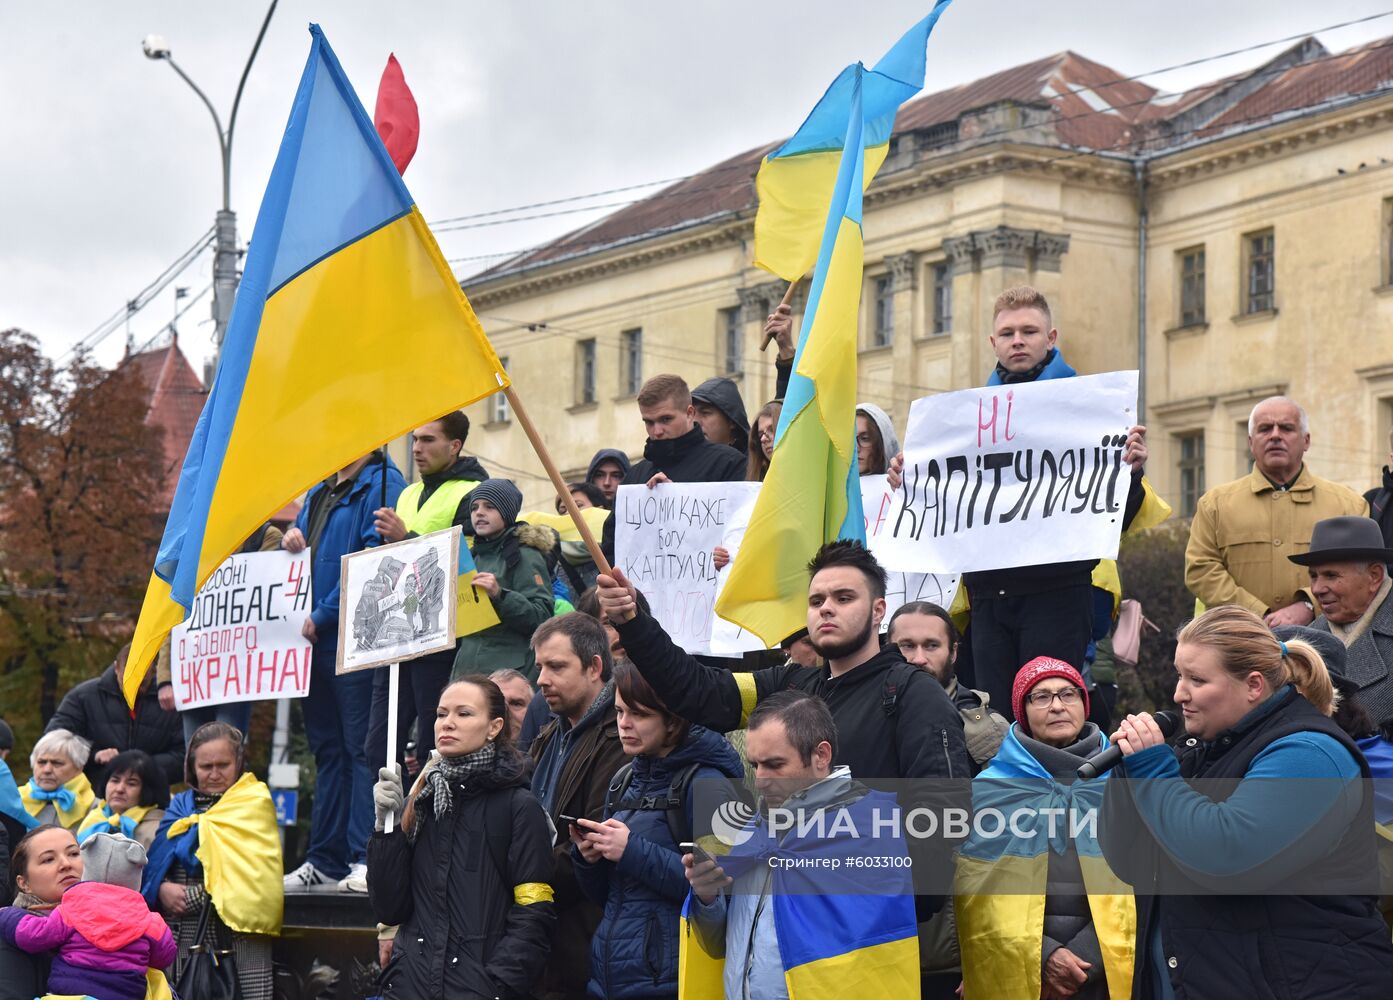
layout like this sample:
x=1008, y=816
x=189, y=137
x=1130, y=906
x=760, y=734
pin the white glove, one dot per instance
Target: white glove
x=388, y=797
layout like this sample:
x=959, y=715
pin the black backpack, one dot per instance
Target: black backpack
x=673, y=803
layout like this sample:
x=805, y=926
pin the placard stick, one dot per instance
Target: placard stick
x=788, y=298
x=393, y=692
x=541, y=449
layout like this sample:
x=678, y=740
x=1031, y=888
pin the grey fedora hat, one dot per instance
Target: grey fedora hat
x=1345, y=539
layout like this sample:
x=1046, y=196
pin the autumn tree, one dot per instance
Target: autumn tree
x=1152, y=565
x=80, y=471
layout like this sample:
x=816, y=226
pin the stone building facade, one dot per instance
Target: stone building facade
x=1233, y=241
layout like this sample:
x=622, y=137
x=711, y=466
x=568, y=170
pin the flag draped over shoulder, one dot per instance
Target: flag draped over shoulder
x=348, y=330
x=810, y=216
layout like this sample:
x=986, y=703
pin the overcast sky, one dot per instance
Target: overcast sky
x=111, y=169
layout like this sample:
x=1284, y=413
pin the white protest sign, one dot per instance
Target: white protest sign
x=1013, y=475
x=398, y=601
x=727, y=638
x=242, y=641
x=663, y=539
x=901, y=587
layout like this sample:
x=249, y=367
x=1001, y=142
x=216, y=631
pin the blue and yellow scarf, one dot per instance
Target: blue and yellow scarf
x=72, y=801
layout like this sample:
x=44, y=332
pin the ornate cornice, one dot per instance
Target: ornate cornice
x=758, y=301
x=1227, y=152
x=904, y=270
x=1006, y=246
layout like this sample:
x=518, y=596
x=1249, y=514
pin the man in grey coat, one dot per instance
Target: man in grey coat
x=1348, y=563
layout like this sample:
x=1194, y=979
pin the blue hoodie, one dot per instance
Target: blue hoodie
x=634, y=951
x=348, y=529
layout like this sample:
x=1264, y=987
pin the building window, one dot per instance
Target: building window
x=1191, y=286
x=943, y=299
x=631, y=361
x=1260, y=249
x=1387, y=242
x=733, y=336
x=883, y=329
x=1191, y=466
x=585, y=371
x=1246, y=462
x=498, y=404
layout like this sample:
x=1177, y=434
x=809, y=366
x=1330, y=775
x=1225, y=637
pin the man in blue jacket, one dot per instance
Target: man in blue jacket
x=1046, y=609
x=337, y=519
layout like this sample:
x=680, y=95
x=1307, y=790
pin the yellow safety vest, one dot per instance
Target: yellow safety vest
x=438, y=511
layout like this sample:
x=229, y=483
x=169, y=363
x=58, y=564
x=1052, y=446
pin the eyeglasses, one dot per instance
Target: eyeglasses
x=1043, y=699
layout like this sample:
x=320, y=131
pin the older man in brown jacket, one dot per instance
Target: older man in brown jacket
x=1244, y=531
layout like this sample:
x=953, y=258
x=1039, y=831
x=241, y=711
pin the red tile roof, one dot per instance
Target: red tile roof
x=1088, y=105
x=176, y=400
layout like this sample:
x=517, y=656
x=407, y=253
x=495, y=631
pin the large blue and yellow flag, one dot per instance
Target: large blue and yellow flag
x=810, y=216
x=348, y=330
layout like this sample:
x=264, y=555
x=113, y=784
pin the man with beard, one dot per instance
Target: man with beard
x=894, y=721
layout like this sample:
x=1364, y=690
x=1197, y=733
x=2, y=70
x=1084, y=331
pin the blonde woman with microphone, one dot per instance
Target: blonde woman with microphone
x=1254, y=835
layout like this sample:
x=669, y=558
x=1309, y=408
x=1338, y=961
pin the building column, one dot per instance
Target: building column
x=756, y=303
x=904, y=283
x=986, y=263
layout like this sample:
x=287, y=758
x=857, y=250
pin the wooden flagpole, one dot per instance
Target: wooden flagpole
x=560, y=484
x=787, y=300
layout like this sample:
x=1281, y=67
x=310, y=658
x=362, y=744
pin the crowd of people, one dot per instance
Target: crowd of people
x=578, y=807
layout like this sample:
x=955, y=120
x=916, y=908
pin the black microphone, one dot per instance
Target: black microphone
x=1168, y=722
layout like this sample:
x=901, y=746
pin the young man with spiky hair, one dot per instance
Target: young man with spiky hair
x=894, y=720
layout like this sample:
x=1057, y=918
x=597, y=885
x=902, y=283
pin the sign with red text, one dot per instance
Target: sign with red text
x=1013, y=475
x=664, y=540
x=242, y=639
x=901, y=587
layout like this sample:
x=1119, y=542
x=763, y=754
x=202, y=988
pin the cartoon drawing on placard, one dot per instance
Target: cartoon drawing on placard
x=401, y=591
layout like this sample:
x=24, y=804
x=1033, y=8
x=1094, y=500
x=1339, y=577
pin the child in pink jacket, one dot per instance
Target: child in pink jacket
x=103, y=933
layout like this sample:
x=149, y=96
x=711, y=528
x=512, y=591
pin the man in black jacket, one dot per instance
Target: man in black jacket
x=894, y=721
x=97, y=711
x=1380, y=500
x=677, y=450
x=721, y=413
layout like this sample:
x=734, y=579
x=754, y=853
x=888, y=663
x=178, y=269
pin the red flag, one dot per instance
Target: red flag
x=397, y=120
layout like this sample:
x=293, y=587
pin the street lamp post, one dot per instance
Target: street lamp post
x=225, y=223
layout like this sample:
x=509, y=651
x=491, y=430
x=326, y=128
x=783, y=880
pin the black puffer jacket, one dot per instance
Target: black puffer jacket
x=1380, y=500
x=96, y=710
x=22, y=976
x=687, y=459
x=464, y=933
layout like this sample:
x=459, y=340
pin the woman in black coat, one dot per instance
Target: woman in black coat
x=466, y=872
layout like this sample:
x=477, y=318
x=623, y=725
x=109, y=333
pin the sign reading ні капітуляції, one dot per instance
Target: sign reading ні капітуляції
x=242, y=639
x=1014, y=475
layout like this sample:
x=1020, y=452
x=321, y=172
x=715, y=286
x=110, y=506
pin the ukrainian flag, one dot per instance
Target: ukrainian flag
x=1001, y=878
x=348, y=330
x=810, y=216
x=845, y=928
